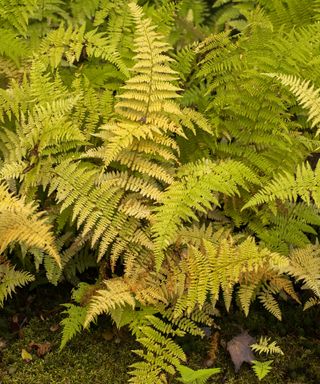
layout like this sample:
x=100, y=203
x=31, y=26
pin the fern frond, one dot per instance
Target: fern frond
x=17, y=13
x=247, y=293
x=261, y=368
x=223, y=267
x=285, y=225
x=306, y=94
x=290, y=13
x=304, y=184
x=270, y=303
x=143, y=107
x=304, y=266
x=12, y=46
x=311, y=303
x=199, y=376
x=20, y=222
x=10, y=279
x=73, y=323
x=115, y=294
x=196, y=189
x=265, y=346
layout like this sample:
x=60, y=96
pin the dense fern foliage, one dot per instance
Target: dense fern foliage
x=164, y=145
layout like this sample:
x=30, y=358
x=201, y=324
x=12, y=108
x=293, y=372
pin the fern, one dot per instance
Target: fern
x=264, y=346
x=306, y=94
x=76, y=314
x=17, y=13
x=195, y=190
x=115, y=294
x=200, y=376
x=153, y=327
x=20, y=222
x=10, y=279
x=226, y=264
x=261, y=368
x=290, y=13
x=73, y=323
x=311, y=302
x=304, y=266
x=304, y=184
x=163, y=155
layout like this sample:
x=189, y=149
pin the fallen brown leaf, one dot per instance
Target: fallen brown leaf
x=240, y=351
x=40, y=348
x=54, y=327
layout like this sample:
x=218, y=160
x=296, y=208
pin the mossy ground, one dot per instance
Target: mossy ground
x=91, y=359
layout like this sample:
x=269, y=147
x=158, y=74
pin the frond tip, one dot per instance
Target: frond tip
x=306, y=93
x=10, y=279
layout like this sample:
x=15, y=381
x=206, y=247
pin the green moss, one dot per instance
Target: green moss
x=88, y=359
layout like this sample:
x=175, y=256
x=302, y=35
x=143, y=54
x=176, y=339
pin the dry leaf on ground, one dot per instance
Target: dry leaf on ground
x=41, y=348
x=240, y=351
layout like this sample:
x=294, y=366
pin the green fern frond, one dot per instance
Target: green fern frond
x=225, y=266
x=84, y=9
x=261, y=368
x=306, y=94
x=143, y=106
x=11, y=46
x=197, y=188
x=72, y=324
x=10, y=279
x=270, y=303
x=246, y=294
x=163, y=354
x=285, y=225
x=17, y=13
x=304, y=184
x=290, y=13
x=199, y=376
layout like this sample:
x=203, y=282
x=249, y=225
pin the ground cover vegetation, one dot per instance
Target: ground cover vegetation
x=161, y=158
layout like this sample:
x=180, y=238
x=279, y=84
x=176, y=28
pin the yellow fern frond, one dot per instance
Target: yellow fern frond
x=265, y=346
x=20, y=222
x=270, y=303
x=116, y=293
x=305, y=266
x=221, y=267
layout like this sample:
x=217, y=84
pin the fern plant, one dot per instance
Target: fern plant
x=170, y=159
x=21, y=223
x=200, y=376
x=261, y=368
x=264, y=346
x=10, y=279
